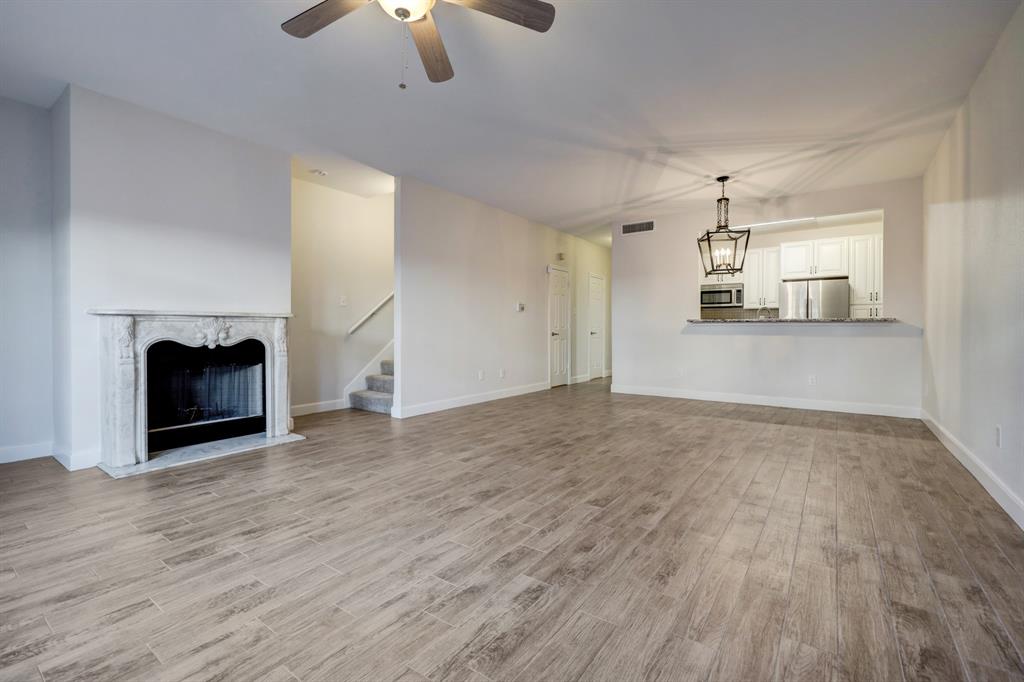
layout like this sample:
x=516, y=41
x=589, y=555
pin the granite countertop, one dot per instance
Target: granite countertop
x=775, y=320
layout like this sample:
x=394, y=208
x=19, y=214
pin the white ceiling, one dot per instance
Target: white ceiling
x=623, y=110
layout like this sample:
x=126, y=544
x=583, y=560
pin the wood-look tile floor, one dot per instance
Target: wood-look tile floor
x=564, y=535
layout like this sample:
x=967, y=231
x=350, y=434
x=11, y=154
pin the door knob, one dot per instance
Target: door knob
x=593, y=333
x=554, y=333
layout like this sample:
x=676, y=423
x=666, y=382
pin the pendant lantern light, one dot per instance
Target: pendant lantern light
x=722, y=251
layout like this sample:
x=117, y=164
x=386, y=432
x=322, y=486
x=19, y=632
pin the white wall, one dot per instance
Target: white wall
x=163, y=215
x=974, y=278
x=60, y=120
x=859, y=368
x=26, y=364
x=342, y=246
x=460, y=268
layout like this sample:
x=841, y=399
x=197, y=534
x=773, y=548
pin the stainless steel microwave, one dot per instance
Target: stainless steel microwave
x=721, y=296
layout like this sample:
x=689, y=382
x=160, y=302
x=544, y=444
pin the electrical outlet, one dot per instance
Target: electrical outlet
x=479, y=375
x=501, y=373
x=812, y=379
x=999, y=436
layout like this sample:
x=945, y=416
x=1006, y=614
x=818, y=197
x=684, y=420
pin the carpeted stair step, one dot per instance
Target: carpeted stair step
x=372, y=401
x=387, y=367
x=382, y=383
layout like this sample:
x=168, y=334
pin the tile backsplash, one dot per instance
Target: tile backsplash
x=734, y=313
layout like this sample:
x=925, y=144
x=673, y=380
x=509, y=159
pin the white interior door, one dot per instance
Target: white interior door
x=558, y=325
x=596, y=322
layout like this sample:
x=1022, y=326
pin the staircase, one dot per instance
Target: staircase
x=379, y=391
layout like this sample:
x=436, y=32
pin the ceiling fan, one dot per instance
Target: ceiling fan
x=533, y=14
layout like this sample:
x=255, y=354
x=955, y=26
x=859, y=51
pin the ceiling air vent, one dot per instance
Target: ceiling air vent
x=633, y=228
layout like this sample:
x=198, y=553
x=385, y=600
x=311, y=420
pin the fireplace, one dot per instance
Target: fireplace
x=187, y=386
x=198, y=395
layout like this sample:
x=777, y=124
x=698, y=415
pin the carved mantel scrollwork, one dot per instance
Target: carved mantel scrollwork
x=211, y=331
x=124, y=333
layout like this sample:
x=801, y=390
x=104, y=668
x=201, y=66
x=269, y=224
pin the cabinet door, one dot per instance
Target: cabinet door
x=878, y=269
x=752, y=273
x=861, y=312
x=770, y=277
x=862, y=269
x=796, y=259
x=830, y=257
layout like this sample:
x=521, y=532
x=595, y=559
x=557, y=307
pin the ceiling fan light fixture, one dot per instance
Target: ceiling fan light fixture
x=406, y=10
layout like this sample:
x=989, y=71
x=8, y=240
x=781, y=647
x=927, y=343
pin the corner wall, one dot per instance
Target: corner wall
x=974, y=278
x=460, y=268
x=342, y=246
x=154, y=213
x=26, y=297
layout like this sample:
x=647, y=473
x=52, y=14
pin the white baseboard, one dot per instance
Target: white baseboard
x=325, y=406
x=607, y=373
x=1007, y=499
x=17, y=453
x=75, y=461
x=403, y=411
x=579, y=379
x=880, y=409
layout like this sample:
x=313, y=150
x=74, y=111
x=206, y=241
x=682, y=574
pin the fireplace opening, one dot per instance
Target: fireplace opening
x=198, y=395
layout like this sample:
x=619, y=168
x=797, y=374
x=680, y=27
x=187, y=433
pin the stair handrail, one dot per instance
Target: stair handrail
x=366, y=318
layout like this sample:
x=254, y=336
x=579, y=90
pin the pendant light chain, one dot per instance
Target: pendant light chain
x=405, y=55
x=723, y=207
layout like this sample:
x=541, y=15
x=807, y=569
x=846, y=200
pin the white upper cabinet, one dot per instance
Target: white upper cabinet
x=815, y=258
x=761, y=278
x=830, y=257
x=866, y=269
x=862, y=270
x=770, y=277
x=797, y=259
x=752, y=268
x=879, y=268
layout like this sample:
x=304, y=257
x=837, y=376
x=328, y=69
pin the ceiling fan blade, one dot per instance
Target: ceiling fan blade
x=533, y=14
x=431, y=49
x=319, y=16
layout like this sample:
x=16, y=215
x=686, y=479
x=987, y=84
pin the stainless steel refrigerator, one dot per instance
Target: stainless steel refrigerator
x=814, y=299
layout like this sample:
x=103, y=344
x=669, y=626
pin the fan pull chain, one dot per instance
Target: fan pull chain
x=405, y=56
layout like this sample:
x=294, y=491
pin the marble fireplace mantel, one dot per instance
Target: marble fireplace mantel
x=126, y=335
